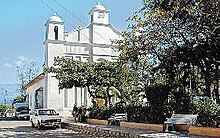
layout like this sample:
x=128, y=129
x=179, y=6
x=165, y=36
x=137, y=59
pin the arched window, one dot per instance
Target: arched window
x=56, y=32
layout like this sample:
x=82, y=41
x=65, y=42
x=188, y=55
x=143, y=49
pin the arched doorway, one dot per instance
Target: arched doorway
x=39, y=98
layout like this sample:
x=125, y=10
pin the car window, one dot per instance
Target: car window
x=47, y=112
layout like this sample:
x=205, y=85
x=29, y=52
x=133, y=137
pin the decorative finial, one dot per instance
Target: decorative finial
x=98, y=3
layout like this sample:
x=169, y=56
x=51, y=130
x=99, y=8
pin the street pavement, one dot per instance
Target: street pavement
x=11, y=128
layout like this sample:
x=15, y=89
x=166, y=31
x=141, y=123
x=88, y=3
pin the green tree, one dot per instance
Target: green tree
x=3, y=108
x=19, y=99
x=119, y=80
x=103, y=79
x=179, y=42
x=74, y=73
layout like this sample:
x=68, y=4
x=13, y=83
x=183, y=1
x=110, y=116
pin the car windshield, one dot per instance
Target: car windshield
x=47, y=112
x=21, y=108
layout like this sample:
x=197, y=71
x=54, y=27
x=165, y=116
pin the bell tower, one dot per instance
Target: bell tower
x=99, y=14
x=54, y=28
x=54, y=46
x=54, y=39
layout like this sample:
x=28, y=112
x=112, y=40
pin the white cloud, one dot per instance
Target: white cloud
x=7, y=65
x=22, y=60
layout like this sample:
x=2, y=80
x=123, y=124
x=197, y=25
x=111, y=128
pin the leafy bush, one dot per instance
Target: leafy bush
x=19, y=99
x=136, y=113
x=209, y=113
x=140, y=114
x=157, y=94
x=3, y=108
x=100, y=112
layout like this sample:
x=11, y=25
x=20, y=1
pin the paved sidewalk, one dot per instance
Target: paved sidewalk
x=116, y=131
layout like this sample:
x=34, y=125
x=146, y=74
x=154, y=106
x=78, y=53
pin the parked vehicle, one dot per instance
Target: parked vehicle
x=45, y=118
x=21, y=110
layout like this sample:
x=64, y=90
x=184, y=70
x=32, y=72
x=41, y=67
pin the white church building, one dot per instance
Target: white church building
x=89, y=44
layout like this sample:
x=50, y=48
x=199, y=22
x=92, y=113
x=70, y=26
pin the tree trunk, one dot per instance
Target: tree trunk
x=108, y=97
x=91, y=94
x=207, y=81
x=216, y=84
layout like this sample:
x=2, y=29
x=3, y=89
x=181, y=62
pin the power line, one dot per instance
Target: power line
x=69, y=12
x=47, y=6
x=77, y=18
x=54, y=11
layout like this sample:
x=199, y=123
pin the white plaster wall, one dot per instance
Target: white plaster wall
x=54, y=95
x=70, y=98
x=54, y=50
x=97, y=19
x=104, y=34
x=102, y=50
x=71, y=36
x=84, y=35
x=79, y=100
x=31, y=92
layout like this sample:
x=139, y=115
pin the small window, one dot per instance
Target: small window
x=56, y=32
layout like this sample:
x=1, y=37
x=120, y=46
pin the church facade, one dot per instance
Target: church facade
x=89, y=44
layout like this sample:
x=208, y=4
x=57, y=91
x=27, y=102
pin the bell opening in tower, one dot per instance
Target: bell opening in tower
x=56, y=32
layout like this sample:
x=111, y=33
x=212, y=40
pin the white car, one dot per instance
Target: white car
x=45, y=118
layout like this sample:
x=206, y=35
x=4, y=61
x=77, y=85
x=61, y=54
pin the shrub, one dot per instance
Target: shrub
x=209, y=113
x=3, y=108
x=101, y=112
x=139, y=114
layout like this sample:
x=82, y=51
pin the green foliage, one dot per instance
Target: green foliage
x=72, y=73
x=101, y=112
x=103, y=79
x=175, y=43
x=157, y=94
x=3, y=108
x=181, y=102
x=19, y=99
x=140, y=114
x=209, y=113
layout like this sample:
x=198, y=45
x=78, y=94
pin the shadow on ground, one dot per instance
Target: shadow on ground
x=11, y=119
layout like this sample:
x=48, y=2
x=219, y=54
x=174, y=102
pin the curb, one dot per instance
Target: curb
x=101, y=132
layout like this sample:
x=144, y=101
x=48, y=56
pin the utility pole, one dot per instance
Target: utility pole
x=5, y=97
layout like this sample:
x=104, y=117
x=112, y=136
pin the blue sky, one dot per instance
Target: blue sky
x=22, y=27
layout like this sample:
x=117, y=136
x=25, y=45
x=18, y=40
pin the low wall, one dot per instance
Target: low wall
x=155, y=127
x=204, y=131
x=97, y=121
x=200, y=131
